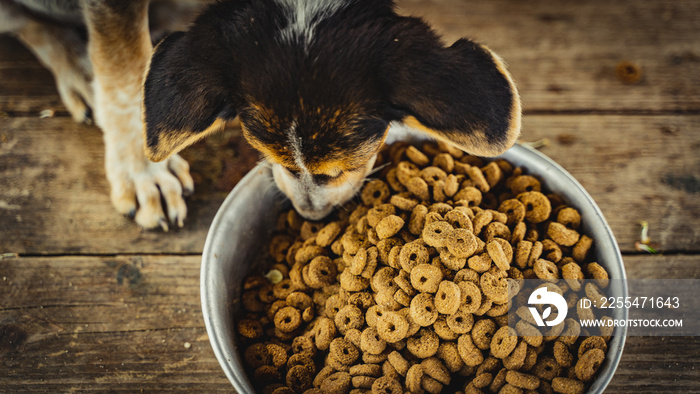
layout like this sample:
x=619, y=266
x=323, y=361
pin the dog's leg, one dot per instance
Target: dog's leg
x=119, y=49
x=64, y=53
x=60, y=49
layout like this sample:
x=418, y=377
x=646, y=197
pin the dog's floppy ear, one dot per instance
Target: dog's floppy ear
x=460, y=94
x=186, y=95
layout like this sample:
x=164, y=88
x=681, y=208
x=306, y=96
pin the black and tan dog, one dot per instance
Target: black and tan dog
x=316, y=84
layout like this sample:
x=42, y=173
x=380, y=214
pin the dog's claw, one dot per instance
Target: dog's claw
x=131, y=214
x=163, y=224
x=186, y=191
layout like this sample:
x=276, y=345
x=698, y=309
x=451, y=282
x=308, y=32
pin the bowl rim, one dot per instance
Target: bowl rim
x=223, y=352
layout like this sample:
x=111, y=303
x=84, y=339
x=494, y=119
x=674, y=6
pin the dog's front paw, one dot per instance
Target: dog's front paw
x=152, y=193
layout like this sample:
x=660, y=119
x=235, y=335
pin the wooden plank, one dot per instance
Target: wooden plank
x=55, y=197
x=124, y=322
x=635, y=168
x=563, y=55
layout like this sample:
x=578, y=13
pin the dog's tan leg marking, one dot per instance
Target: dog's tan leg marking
x=62, y=52
x=119, y=49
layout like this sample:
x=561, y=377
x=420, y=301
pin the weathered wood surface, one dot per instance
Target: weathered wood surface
x=127, y=323
x=563, y=55
x=55, y=197
x=103, y=306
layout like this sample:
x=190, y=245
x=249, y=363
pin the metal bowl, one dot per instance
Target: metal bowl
x=239, y=233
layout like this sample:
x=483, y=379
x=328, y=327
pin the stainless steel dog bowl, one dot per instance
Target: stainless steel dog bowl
x=238, y=238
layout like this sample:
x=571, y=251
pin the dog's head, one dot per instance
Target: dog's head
x=316, y=85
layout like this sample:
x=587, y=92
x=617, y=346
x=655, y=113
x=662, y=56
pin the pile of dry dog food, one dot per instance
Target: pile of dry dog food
x=408, y=288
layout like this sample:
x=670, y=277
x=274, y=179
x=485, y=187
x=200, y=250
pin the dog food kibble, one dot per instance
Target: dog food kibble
x=407, y=289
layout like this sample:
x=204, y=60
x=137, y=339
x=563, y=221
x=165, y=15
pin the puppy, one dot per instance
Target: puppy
x=317, y=84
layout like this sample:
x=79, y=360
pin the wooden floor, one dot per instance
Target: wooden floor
x=89, y=302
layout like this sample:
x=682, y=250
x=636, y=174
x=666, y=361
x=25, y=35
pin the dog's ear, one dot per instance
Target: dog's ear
x=460, y=94
x=186, y=95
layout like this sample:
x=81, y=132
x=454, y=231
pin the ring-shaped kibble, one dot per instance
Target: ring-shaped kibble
x=516, y=358
x=266, y=293
x=434, y=368
x=250, y=328
x=524, y=183
x=562, y=354
x=431, y=175
x=495, y=230
x=357, y=265
x=411, y=255
x=482, y=333
x=481, y=219
x=562, y=235
x=386, y=385
x=328, y=234
x=451, y=261
x=299, y=300
x=299, y=379
x=425, y=278
x=339, y=382
x=376, y=214
x=503, y=342
x=279, y=245
x=371, y=342
x=451, y=185
x=546, y=368
x=580, y=251
x=480, y=262
x=460, y=322
x=445, y=162
x=449, y=354
x=468, y=196
x=303, y=359
x=383, y=279
x=443, y=330
x=588, y=364
x=573, y=275
x=537, y=206
x=522, y=253
x=416, y=222
x=501, y=252
x=322, y=272
x=514, y=209
x=325, y=331
x=375, y=192
x=592, y=343
x=522, y=380
x=304, y=344
x=384, y=247
x=288, y=319
x=459, y=220
x=257, y=355
x=400, y=364
x=569, y=217
x=416, y=156
x=251, y=301
x=406, y=170
x=403, y=201
x=350, y=282
x=471, y=355
x=419, y=188
x=530, y=333
x=414, y=377
x=494, y=287
x=493, y=173
x=348, y=317
x=307, y=253
x=392, y=326
x=546, y=270
x=309, y=229
x=478, y=178
x=568, y=386
x=344, y=351
x=447, y=297
x=436, y=234
x=389, y=226
x=423, y=345
x=422, y=310
x=598, y=273
x=371, y=370
x=470, y=296
x=461, y=242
